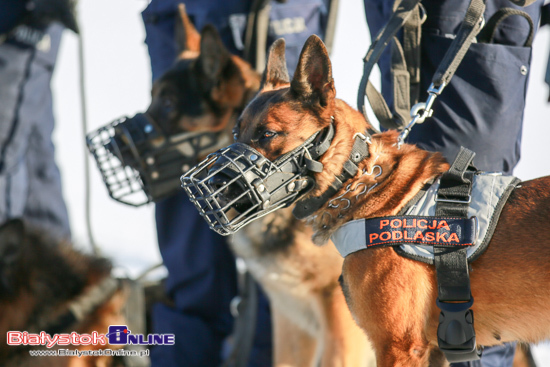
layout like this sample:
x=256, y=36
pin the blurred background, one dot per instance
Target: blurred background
x=118, y=83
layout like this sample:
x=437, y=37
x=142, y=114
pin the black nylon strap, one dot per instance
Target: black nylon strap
x=401, y=82
x=412, y=31
x=455, y=333
x=453, y=198
x=469, y=28
x=380, y=108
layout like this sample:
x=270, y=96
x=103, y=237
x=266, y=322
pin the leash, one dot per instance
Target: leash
x=244, y=309
x=472, y=24
x=403, y=15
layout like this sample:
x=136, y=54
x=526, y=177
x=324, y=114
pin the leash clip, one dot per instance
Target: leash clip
x=421, y=111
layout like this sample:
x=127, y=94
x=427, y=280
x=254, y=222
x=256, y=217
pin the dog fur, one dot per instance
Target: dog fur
x=205, y=91
x=391, y=297
x=39, y=279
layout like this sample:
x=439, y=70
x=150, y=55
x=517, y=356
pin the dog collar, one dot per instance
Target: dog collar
x=360, y=150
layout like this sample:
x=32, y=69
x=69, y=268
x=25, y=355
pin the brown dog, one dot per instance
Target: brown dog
x=42, y=283
x=391, y=297
x=206, y=90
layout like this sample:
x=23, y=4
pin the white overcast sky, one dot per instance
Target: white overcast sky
x=118, y=84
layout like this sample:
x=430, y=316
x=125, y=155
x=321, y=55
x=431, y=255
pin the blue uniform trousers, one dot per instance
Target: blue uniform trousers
x=30, y=183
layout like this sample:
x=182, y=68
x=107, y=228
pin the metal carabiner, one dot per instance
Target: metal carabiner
x=420, y=112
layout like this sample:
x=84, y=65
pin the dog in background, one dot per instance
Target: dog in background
x=391, y=297
x=206, y=90
x=41, y=283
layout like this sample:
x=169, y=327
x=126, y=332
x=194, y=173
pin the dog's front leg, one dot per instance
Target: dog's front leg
x=390, y=297
x=344, y=343
x=292, y=345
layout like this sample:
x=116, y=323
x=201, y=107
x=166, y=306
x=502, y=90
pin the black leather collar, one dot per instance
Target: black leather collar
x=360, y=150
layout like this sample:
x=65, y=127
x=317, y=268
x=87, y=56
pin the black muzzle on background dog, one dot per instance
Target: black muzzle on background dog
x=236, y=185
x=140, y=164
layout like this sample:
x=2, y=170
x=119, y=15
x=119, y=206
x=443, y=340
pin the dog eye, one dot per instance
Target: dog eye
x=268, y=134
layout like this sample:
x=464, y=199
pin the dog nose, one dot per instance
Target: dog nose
x=218, y=181
x=229, y=192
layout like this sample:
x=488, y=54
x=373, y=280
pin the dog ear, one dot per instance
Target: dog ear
x=214, y=56
x=313, y=77
x=187, y=36
x=276, y=72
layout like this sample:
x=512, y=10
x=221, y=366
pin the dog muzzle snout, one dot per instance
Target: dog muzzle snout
x=140, y=163
x=237, y=184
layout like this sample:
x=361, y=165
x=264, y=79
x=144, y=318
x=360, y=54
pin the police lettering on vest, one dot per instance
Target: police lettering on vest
x=421, y=230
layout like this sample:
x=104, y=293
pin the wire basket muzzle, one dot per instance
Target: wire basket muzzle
x=139, y=164
x=237, y=185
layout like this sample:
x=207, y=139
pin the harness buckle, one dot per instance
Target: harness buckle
x=454, y=201
x=456, y=336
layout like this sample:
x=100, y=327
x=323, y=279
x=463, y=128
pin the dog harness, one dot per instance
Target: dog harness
x=449, y=225
x=489, y=194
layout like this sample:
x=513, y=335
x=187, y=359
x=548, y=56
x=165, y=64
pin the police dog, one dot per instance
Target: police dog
x=392, y=298
x=206, y=90
x=47, y=286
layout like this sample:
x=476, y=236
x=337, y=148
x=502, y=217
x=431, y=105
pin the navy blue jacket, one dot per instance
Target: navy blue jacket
x=482, y=108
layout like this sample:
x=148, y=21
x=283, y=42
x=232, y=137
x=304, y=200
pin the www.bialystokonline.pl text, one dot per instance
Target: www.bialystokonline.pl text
x=86, y=353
